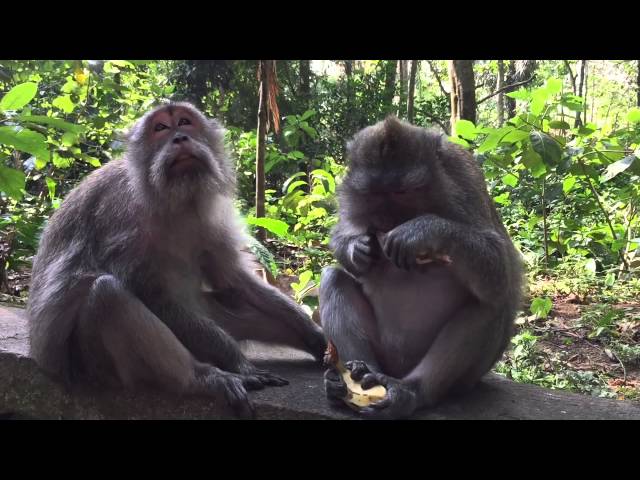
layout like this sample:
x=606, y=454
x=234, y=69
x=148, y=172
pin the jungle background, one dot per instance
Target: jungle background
x=558, y=140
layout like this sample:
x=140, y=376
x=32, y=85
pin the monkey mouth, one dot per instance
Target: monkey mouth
x=184, y=162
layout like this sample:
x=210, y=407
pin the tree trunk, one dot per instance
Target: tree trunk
x=389, y=85
x=583, y=65
x=510, y=103
x=499, y=85
x=463, y=92
x=412, y=89
x=260, y=153
x=638, y=84
x=348, y=68
x=305, y=82
x=402, y=68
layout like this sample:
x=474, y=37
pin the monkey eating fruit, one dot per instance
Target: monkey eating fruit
x=355, y=397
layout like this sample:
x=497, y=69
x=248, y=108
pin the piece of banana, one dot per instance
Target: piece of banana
x=356, y=397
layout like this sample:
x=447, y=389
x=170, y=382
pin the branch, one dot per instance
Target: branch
x=435, y=72
x=571, y=75
x=507, y=87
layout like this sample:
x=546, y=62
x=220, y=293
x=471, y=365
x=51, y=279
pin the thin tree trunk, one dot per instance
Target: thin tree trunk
x=571, y=76
x=583, y=65
x=499, y=85
x=463, y=93
x=510, y=103
x=389, y=85
x=638, y=84
x=412, y=89
x=260, y=154
x=305, y=82
x=402, y=69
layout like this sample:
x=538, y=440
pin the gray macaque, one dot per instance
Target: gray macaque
x=141, y=278
x=430, y=281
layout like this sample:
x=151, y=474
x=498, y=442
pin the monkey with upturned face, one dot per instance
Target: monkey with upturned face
x=118, y=291
x=430, y=281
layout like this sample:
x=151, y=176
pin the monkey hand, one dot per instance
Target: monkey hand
x=399, y=402
x=256, y=379
x=413, y=241
x=363, y=251
x=335, y=388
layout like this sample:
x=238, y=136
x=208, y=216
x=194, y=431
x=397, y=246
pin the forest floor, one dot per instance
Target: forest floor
x=581, y=345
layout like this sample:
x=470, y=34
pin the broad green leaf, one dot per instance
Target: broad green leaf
x=515, y=136
x=618, y=167
x=18, y=96
x=521, y=94
x=559, y=125
x=459, y=141
x=634, y=115
x=69, y=138
x=546, y=147
x=541, y=306
x=61, y=162
x=285, y=187
x=293, y=185
x=493, y=139
x=12, y=182
x=26, y=141
x=327, y=176
x=309, y=130
x=307, y=114
x=502, y=199
x=510, y=179
x=568, y=184
x=277, y=227
x=466, y=129
x=553, y=86
x=93, y=161
x=51, y=185
x=610, y=279
x=53, y=122
x=64, y=103
x=533, y=162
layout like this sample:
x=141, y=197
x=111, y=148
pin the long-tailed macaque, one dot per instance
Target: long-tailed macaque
x=430, y=281
x=141, y=280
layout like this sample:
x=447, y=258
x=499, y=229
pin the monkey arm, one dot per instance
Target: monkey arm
x=478, y=256
x=202, y=337
x=278, y=311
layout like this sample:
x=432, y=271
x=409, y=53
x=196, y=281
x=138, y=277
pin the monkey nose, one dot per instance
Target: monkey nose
x=179, y=138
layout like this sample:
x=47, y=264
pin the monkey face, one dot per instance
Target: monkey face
x=181, y=151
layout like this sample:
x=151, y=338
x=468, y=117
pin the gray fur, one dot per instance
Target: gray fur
x=123, y=262
x=423, y=330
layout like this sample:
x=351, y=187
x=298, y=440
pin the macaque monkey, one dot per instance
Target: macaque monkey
x=429, y=283
x=141, y=279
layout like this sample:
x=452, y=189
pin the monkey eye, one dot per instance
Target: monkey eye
x=160, y=126
x=184, y=121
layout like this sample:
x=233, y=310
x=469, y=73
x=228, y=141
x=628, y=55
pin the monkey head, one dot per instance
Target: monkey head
x=178, y=153
x=393, y=167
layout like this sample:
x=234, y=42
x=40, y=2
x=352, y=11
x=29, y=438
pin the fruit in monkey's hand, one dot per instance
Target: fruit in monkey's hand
x=356, y=397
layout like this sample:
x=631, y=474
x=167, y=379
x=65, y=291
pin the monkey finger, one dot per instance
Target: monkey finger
x=358, y=369
x=236, y=396
x=272, y=380
x=252, y=382
x=335, y=390
x=370, y=380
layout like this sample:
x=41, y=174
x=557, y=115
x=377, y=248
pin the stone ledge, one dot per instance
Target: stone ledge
x=25, y=392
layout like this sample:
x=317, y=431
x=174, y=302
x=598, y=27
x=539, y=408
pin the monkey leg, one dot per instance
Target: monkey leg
x=465, y=349
x=347, y=317
x=349, y=324
x=120, y=341
x=258, y=311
